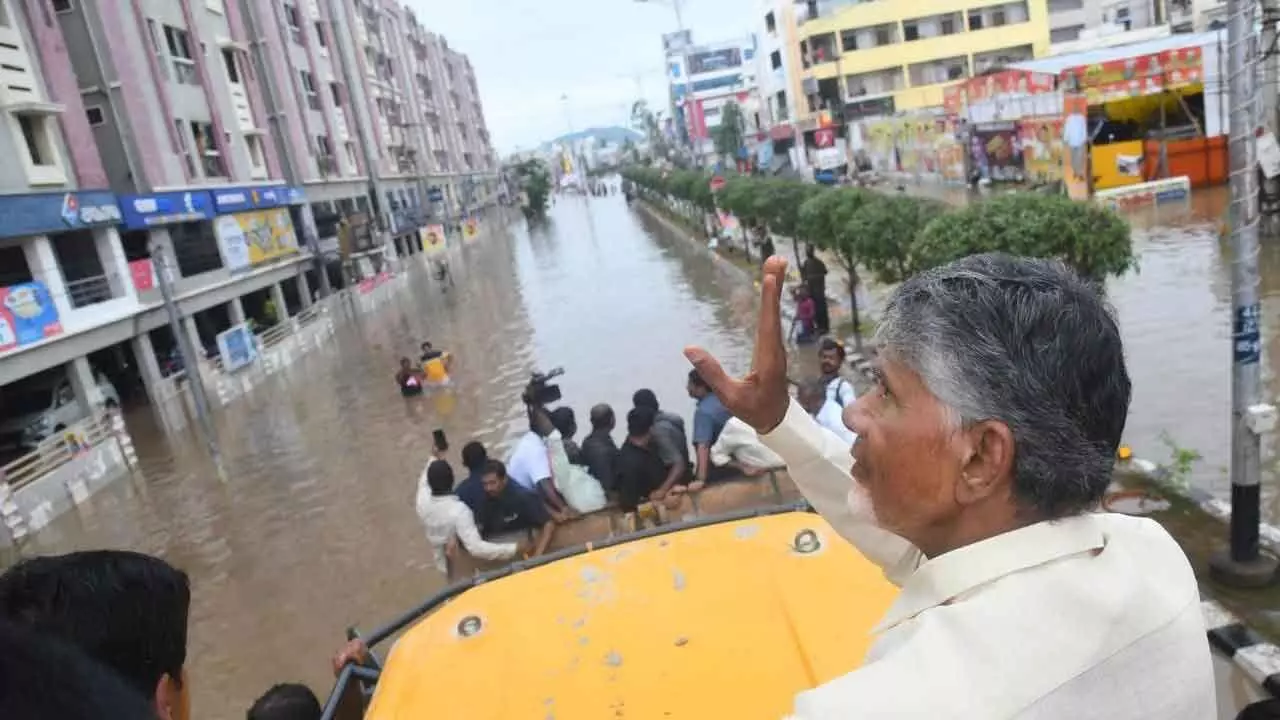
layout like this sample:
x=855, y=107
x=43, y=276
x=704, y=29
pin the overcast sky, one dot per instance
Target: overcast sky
x=528, y=53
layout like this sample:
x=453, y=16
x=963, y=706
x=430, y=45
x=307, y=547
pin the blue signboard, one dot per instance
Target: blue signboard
x=47, y=213
x=242, y=199
x=238, y=347
x=169, y=208
x=27, y=315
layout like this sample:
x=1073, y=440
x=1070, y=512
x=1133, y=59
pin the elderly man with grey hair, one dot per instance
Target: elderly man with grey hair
x=981, y=457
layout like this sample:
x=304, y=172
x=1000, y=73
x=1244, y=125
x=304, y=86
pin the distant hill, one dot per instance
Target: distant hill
x=610, y=134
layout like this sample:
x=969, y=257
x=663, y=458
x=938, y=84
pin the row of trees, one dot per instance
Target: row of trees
x=895, y=236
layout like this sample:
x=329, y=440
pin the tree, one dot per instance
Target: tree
x=644, y=120
x=1091, y=239
x=535, y=181
x=728, y=135
x=881, y=232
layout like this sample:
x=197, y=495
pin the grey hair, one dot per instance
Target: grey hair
x=1032, y=345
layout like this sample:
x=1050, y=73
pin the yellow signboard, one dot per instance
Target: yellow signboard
x=433, y=240
x=252, y=238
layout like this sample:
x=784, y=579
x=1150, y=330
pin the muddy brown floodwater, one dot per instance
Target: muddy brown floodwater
x=314, y=529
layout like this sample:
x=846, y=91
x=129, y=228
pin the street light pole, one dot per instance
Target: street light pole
x=1243, y=564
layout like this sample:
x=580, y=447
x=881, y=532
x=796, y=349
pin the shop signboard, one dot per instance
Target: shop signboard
x=143, y=273
x=1136, y=76
x=253, y=238
x=1041, y=142
x=1007, y=95
x=27, y=315
x=168, y=208
x=49, y=213
x=240, y=199
x=238, y=347
x=995, y=154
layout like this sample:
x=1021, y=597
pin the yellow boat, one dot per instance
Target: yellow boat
x=713, y=614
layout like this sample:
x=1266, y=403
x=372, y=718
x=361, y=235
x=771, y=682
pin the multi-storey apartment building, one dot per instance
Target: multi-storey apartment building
x=704, y=78
x=217, y=143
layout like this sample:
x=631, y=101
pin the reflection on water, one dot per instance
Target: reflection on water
x=315, y=528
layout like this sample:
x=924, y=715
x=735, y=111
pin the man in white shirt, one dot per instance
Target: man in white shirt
x=815, y=401
x=981, y=454
x=831, y=362
x=529, y=466
x=447, y=519
x=739, y=447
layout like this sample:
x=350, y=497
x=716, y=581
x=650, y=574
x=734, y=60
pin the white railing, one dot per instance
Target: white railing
x=59, y=449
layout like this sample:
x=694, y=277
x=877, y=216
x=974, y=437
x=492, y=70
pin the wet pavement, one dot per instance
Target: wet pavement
x=314, y=528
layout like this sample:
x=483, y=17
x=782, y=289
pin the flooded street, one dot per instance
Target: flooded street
x=314, y=528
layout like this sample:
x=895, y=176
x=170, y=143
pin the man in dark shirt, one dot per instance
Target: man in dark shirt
x=814, y=273
x=641, y=472
x=599, y=451
x=669, y=441
x=510, y=508
x=471, y=490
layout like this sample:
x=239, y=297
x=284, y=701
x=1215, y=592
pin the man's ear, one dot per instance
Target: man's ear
x=166, y=698
x=990, y=462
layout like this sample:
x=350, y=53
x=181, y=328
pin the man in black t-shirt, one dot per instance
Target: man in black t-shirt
x=641, y=472
x=510, y=508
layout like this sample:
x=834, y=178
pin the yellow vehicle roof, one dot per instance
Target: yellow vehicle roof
x=728, y=620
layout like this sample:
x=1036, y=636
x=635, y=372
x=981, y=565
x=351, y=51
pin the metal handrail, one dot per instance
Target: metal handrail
x=371, y=674
x=55, y=451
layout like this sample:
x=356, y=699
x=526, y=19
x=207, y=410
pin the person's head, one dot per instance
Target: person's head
x=602, y=418
x=697, y=387
x=474, y=456
x=1001, y=399
x=440, y=477
x=645, y=398
x=640, y=424
x=565, y=422
x=45, y=678
x=124, y=609
x=406, y=364
x=426, y=347
x=495, y=478
x=286, y=701
x=812, y=395
x=830, y=356
x=808, y=251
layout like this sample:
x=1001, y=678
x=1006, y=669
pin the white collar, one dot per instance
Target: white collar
x=940, y=580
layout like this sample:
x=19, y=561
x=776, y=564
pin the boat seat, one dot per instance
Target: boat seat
x=735, y=494
x=463, y=564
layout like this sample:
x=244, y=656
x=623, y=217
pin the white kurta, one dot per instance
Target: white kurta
x=1093, y=616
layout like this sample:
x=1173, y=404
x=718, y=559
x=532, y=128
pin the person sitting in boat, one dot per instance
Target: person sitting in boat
x=509, y=507
x=446, y=518
x=669, y=441
x=529, y=466
x=599, y=451
x=812, y=396
x=471, y=490
x=981, y=455
x=409, y=378
x=435, y=364
x=739, y=448
x=641, y=471
x=580, y=491
x=709, y=418
x=831, y=357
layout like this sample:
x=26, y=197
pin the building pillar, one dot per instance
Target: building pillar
x=44, y=267
x=304, y=289
x=84, y=386
x=193, y=332
x=235, y=309
x=114, y=263
x=144, y=353
x=282, y=309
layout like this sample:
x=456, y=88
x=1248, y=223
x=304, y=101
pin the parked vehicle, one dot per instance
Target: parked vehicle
x=41, y=408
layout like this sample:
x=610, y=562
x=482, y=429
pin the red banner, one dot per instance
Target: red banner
x=1136, y=76
x=824, y=138
x=143, y=274
x=953, y=99
x=1007, y=82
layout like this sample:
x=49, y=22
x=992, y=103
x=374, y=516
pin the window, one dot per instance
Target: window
x=254, y=144
x=309, y=89
x=336, y=90
x=206, y=145
x=233, y=71
x=1123, y=19
x=948, y=26
x=849, y=41
x=975, y=20
x=997, y=18
x=181, y=126
x=35, y=131
x=63, y=6
x=324, y=156
x=291, y=19
x=770, y=23
x=350, y=149
x=910, y=32
x=775, y=59
x=158, y=48
x=1066, y=34
x=95, y=115
x=179, y=44
x=1057, y=6
x=321, y=40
